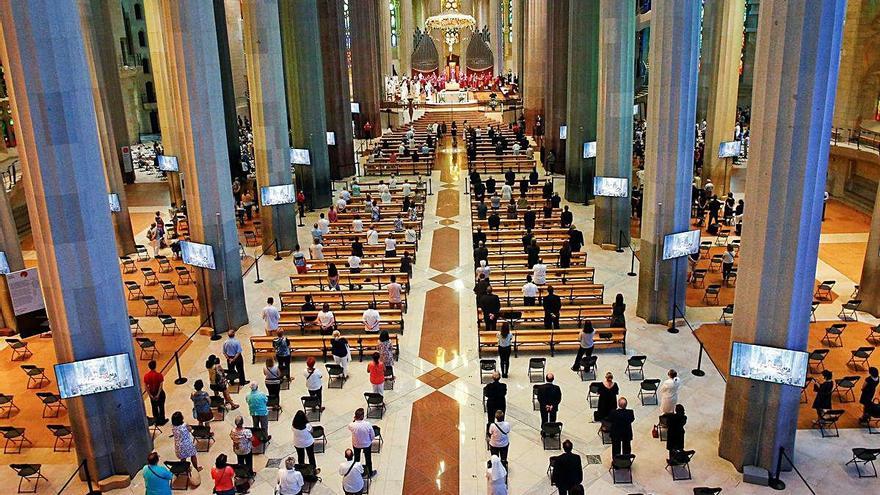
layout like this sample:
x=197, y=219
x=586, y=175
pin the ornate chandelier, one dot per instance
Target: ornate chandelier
x=451, y=21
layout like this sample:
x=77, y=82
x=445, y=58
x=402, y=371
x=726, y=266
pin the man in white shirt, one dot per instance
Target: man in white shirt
x=352, y=473
x=394, y=291
x=316, y=250
x=324, y=224
x=290, y=481
x=313, y=381
x=382, y=186
x=357, y=225
x=529, y=292
x=506, y=192
x=271, y=316
x=390, y=247
x=341, y=204
x=361, y=439
x=371, y=319
x=372, y=236
x=326, y=319
x=411, y=235
x=407, y=189
x=392, y=183
x=539, y=272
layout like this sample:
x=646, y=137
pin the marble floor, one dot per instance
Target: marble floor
x=433, y=430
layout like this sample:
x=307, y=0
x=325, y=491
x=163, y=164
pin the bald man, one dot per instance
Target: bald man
x=549, y=397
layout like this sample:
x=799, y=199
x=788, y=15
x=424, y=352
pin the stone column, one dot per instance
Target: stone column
x=617, y=37
x=337, y=92
x=54, y=115
x=227, y=84
x=869, y=283
x=708, y=40
x=194, y=62
x=166, y=93
x=10, y=245
x=365, y=71
x=405, y=31
x=556, y=80
x=796, y=66
x=107, y=94
x=304, y=78
x=384, y=34
x=235, y=33
x=672, y=100
x=535, y=60
x=726, y=48
x=496, y=33
x=262, y=49
x=583, y=75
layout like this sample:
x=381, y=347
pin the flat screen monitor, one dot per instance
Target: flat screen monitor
x=93, y=376
x=614, y=187
x=331, y=138
x=114, y=202
x=355, y=107
x=168, y=163
x=195, y=254
x=277, y=195
x=769, y=364
x=300, y=156
x=4, y=263
x=729, y=149
x=635, y=110
x=681, y=244
x=563, y=132
x=590, y=149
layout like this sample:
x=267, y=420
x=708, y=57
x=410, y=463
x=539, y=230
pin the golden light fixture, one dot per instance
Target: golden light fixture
x=451, y=22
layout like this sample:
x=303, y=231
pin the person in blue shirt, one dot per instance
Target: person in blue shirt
x=259, y=408
x=157, y=478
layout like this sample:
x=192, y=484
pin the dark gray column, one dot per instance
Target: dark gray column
x=55, y=120
x=230, y=115
x=9, y=244
x=796, y=66
x=556, y=80
x=262, y=51
x=366, y=82
x=304, y=79
x=672, y=100
x=869, y=283
x=194, y=62
x=337, y=92
x=583, y=78
x=617, y=38
x=535, y=60
x=112, y=130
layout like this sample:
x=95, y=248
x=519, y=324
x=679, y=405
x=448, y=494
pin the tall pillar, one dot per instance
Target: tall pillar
x=55, y=118
x=583, y=78
x=384, y=34
x=672, y=100
x=535, y=60
x=109, y=111
x=262, y=48
x=227, y=84
x=194, y=63
x=405, y=31
x=10, y=245
x=556, y=80
x=727, y=17
x=796, y=66
x=869, y=283
x=708, y=40
x=304, y=78
x=166, y=94
x=337, y=92
x=496, y=34
x=617, y=38
x=366, y=82
x=235, y=33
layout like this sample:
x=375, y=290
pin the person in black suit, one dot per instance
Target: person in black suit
x=490, y=185
x=523, y=186
x=576, y=238
x=555, y=200
x=549, y=397
x=494, y=220
x=675, y=429
x=479, y=237
x=481, y=287
x=621, y=430
x=547, y=190
x=357, y=249
x=529, y=218
x=533, y=252
x=481, y=253
x=565, y=254
x=533, y=177
x=495, y=393
x=568, y=472
x=509, y=177
x=527, y=240
x=822, y=402
x=566, y=217
x=491, y=306
x=552, y=307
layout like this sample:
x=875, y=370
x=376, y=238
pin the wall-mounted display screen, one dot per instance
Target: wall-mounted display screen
x=563, y=132
x=195, y=254
x=4, y=263
x=769, y=364
x=277, y=195
x=615, y=187
x=355, y=107
x=331, y=138
x=168, y=163
x=300, y=156
x=114, y=202
x=729, y=149
x=681, y=244
x=590, y=149
x=93, y=376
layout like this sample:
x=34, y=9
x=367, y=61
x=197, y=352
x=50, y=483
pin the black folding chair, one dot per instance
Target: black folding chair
x=678, y=464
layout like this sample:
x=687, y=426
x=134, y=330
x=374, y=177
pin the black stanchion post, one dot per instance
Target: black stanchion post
x=620, y=242
x=672, y=328
x=698, y=371
x=257, y=267
x=776, y=483
x=632, y=264
x=277, y=251
x=180, y=378
x=91, y=491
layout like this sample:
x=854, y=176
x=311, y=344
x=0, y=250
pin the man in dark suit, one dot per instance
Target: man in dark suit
x=481, y=287
x=479, y=237
x=480, y=253
x=509, y=177
x=547, y=190
x=529, y=218
x=523, y=186
x=491, y=306
x=494, y=220
x=575, y=238
x=549, y=397
x=552, y=307
x=621, y=430
x=490, y=185
x=495, y=393
x=567, y=470
x=566, y=217
x=527, y=239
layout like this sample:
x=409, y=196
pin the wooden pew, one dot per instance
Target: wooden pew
x=346, y=299
x=313, y=345
x=347, y=320
x=554, y=340
x=580, y=293
x=319, y=280
x=555, y=275
x=569, y=315
x=516, y=259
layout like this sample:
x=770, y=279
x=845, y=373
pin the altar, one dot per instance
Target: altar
x=457, y=96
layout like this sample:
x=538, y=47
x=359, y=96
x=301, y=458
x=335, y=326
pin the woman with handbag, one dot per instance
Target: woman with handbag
x=157, y=478
x=223, y=476
x=242, y=444
x=201, y=404
x=217, y=378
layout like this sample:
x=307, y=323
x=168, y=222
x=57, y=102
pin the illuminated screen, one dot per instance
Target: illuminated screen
x=769, y=364
x=615, y=187
x=168, y=163
x=299, y=156
x=195, y=254
x=729, y=149
x=277, y=195
x=681, y=244
x=93, y=376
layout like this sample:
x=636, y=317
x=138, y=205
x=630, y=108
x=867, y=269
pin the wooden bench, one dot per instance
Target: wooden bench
x=554, y=340
x=347, y=320
x=369, y=264
x=312, y=345
x=521, y=259
x=346, y=299
x=319, y=280
x=400, y=167
x=511, y=295
x=516, y=234
x=514, y=246
x=569, y=315
x=555, y=276
x=382, y=227
x=370, y=250
x=518, y=223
